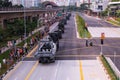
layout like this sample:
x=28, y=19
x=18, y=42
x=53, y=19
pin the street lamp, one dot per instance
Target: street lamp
x=24, y=23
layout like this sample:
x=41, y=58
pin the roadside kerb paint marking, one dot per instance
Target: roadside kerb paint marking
x=34, y=49
x=31, y=71
x=81, y=71
x=12, y=71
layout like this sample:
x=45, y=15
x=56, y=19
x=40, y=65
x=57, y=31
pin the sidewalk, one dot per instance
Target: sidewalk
x=3, y=49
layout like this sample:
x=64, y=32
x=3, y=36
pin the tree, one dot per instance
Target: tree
x=105, y=13
x=18, y=6
x=115, y=0
x=84, y=6
x=5, y=3
x=118, y=13
x=1, y=33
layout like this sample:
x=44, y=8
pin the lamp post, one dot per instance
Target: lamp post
x=24, y=23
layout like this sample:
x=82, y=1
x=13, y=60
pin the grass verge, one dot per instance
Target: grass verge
x=108, y=68
x=114, y=22
x=82, y=30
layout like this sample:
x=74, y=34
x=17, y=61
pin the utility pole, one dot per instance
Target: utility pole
x=89, y=3
x=24, y=22
x=89, y=6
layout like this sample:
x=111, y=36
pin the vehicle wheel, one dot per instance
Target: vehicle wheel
x=53, y=60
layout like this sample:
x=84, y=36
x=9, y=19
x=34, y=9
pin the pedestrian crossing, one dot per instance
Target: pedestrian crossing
x=109, y=32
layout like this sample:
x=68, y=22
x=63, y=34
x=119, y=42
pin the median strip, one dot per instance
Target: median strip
x=31, y=71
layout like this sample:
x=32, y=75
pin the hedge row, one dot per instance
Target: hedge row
x=108, y=68
x=82, y=30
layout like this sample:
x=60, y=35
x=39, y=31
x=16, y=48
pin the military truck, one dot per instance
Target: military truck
x=46, y=51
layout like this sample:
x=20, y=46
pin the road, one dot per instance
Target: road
x=60, y=70
x=73, y=60
x=112, y=45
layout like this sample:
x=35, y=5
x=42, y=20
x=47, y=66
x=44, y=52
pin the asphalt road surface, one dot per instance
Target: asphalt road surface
x=60, y=70
x=112, y=45
x=71, y=51
x=73, y=48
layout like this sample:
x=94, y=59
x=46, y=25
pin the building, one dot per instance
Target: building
x=26, y=3
x=99, y=5
x=73, y=2
x=114, y=6
x=59, y=2
x=16, y=2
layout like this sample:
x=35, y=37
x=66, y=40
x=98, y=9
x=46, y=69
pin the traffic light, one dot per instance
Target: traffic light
x=102, y=38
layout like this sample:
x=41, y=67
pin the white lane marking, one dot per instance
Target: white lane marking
x=68, y=78
x=56, y=71
x=16, y=78
x=40, y=79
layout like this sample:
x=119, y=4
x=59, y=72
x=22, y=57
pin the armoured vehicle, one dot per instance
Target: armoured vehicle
x=46, y=51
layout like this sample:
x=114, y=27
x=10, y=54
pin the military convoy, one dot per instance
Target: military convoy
x=49, y=45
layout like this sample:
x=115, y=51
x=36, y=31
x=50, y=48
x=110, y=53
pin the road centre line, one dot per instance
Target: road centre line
x=81, y=71
x=32, y=51
x=31, y=71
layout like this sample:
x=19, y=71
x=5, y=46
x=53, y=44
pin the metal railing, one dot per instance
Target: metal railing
x=27, y=9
